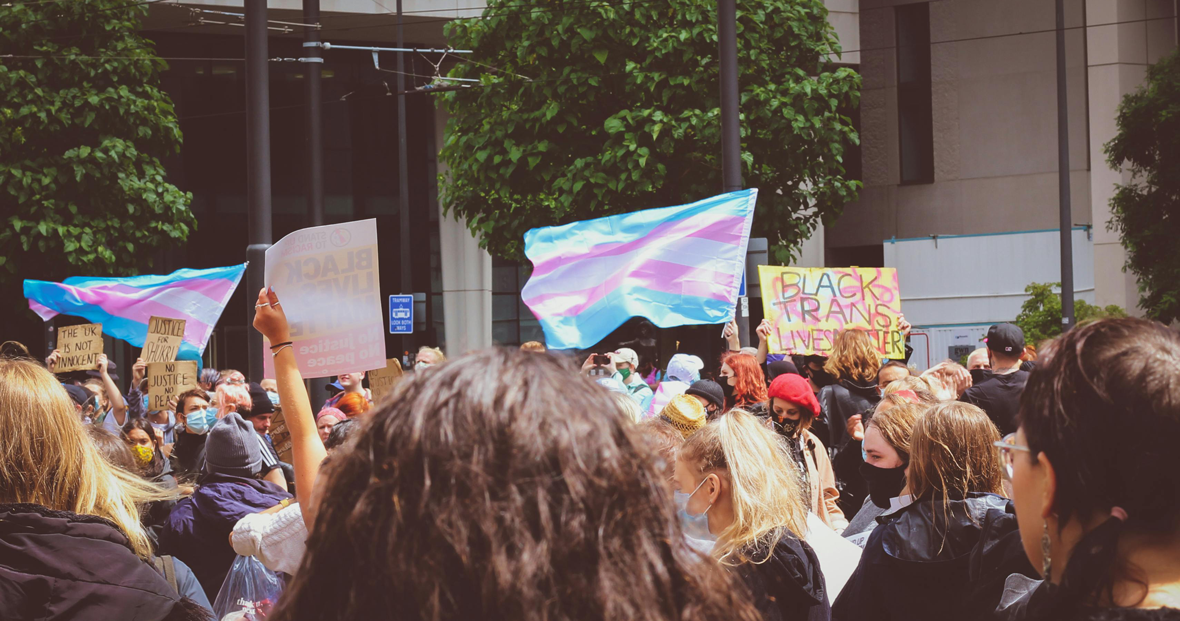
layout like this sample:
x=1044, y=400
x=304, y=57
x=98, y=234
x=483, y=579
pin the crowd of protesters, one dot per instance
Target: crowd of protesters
x=509, y=485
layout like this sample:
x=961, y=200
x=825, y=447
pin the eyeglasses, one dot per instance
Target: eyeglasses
x=1007, y=446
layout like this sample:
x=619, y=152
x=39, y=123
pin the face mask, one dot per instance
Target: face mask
x=143, y=454
x=274, y=398
x=979, y=376
x=787, y=427
x=145, y=403
x=421, y=365
x=625, y=373
x=884, y=483
x=695, y=526
x=201, y=421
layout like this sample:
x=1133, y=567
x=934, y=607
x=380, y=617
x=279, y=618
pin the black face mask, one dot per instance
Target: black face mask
x=786, y=426
x=884, y=483
x=979, y=376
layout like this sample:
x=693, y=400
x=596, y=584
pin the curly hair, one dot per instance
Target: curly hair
x=749, y=384
x=854, y=357
x=500, y=486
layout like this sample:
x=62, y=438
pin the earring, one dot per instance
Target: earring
x=1046, y=561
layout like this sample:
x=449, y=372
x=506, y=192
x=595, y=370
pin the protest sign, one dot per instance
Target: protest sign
x=163, y=339
x=327, y=281
x=166, y=380
x=80, y=347
x=280, y=436
x=382, y=381
x=808, y=307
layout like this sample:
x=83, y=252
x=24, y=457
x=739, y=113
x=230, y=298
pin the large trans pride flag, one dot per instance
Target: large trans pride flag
x=124, y=305
x=676, y=266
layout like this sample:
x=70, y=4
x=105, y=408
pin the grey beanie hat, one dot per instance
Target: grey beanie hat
x=233, y=448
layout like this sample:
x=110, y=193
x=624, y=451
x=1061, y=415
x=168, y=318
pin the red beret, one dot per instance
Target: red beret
x=795, y=389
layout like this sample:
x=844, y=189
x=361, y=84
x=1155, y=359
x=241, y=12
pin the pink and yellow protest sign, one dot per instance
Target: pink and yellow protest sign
x=327, y=282
x=808, y=306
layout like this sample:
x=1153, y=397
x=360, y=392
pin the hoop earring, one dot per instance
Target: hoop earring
x=1046, y=561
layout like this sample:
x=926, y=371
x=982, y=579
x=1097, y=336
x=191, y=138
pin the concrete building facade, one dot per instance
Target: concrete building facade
x=957, y=122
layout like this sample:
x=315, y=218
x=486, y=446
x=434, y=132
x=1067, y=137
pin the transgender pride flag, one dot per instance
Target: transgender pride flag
x=676, y=266
x=124, y=305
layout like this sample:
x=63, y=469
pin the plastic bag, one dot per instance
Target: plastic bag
x=249, y=592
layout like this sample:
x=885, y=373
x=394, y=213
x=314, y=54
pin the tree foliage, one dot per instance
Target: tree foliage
x=1145, y=211
x=588, y=109
x=83, y=126
x=1040, y=315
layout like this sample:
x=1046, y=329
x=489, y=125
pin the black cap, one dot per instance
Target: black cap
x=708, y=389
x=77, y=393
x=259, y=401
x=780, y=367
x=111, y=367
x=1006, y=338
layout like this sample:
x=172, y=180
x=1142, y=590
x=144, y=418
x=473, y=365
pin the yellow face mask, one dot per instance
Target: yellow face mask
x=143, y=454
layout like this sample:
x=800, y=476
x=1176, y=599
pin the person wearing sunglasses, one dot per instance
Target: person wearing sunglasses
x=1093, y=469
x=947, y=554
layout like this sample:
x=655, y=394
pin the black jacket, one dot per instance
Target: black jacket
x=840, y=402
x=910, y=571
x=188, y=455
x=999, y=397
x=789, y=586
x=61, y=565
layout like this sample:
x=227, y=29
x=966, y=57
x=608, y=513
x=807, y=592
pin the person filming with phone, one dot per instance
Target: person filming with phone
x=622, y=365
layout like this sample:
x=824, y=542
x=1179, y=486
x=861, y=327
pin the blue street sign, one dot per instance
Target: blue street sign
x=401, y=314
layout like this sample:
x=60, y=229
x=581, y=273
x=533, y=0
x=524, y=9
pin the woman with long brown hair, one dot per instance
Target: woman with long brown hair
x=946, y=555
x=73, y=546
x=498, y=486
x=853, y=367
x=1093, y=468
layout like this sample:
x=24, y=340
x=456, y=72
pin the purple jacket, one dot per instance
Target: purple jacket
x=197, y=531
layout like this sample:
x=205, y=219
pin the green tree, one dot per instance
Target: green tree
x=83, y=126
x=588, y=109
x=1145, y=211
x=1040, y=315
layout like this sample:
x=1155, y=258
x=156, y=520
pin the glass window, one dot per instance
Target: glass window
x=915, y=113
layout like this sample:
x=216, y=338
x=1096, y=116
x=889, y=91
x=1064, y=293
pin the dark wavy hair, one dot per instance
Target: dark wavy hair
x=501, y=486
x=155, y=467
x=1103, y=403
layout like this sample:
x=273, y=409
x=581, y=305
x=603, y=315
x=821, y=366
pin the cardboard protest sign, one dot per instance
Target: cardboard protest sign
x=382, y=381
x=327, y=281
x=163, y=339
x=808, y=307
x=80, y=347
x=166, y=380
x=280, y=436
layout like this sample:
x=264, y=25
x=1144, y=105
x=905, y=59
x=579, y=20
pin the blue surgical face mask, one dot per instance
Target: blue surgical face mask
x=145, y=403
x=201, y=421
x=695, y=526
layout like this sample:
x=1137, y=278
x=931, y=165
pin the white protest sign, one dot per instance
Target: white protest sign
x=327, y=281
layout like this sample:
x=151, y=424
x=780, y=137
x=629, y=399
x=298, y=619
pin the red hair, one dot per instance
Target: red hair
x=353, y=404
x=749, y=383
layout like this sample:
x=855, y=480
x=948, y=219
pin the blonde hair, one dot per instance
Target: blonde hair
x=913, y=383
x=48, y=459
x=765, y=488
x=628, y=406
x=952, y=452
x=436, y=351
x=534, y=346
x=854, y=357
x=232, y=398
x=895, y=423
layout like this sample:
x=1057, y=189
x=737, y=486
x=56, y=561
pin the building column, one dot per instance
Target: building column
x=1122, y=38
x=466, y=274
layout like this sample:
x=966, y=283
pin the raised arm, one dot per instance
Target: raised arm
x=118, y=406
x=306, y=446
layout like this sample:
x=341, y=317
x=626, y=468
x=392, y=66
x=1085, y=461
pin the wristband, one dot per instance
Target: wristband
x=274, y=347
x=275, y=354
